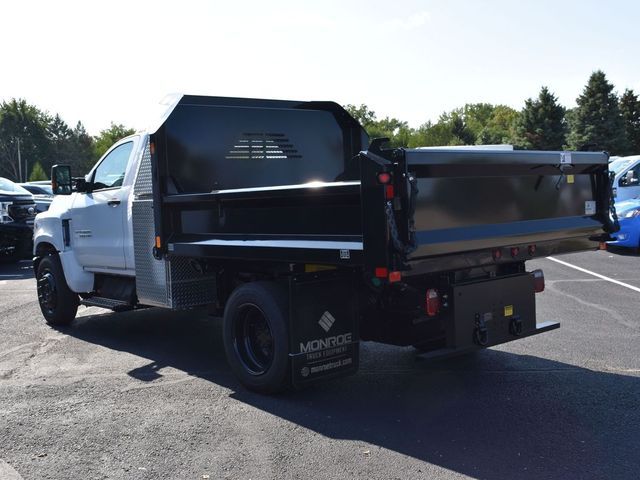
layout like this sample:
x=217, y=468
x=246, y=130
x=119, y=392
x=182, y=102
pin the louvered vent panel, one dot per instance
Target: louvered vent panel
x=257, y=146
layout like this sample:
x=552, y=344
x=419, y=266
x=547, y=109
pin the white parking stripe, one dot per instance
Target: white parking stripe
x=580, y=269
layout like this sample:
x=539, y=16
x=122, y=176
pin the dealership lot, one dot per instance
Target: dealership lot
x=147, y=394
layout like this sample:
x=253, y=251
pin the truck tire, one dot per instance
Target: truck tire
x=256, y=341
x=58, y=303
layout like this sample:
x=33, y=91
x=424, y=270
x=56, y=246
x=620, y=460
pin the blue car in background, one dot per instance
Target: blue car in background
x=629, y=217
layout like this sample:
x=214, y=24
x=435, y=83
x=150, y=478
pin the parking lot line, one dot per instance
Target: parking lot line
x=603, y=277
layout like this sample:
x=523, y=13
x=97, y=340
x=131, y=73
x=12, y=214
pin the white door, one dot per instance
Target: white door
x=98, y=217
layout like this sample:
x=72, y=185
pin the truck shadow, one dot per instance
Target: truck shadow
x=16, y=271
x=493, y=415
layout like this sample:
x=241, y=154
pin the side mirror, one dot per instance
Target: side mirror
x=61, y=182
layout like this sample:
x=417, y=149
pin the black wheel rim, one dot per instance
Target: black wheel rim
x=253, y=339
x=47, y=293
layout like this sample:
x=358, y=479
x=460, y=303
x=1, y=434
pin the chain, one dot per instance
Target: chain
x=398, y=244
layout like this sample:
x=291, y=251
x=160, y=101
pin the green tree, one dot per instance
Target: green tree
x=69, y=146
x=541, y=124
x=500, y=126
x=431, y=134
x=597, y=122
x=37, y=173
x=462, y=133
x=630, y=111
x=362, y=114
x=397, y=131
x=23, y=129
x=109, y=136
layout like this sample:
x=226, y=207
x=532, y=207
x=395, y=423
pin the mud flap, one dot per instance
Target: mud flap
x=323, y=327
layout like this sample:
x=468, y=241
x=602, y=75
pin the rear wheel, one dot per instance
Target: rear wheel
x=255, y=336
x=57, y=302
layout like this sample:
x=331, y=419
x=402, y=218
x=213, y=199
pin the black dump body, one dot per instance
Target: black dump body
x=298, y=182
x=294, y=193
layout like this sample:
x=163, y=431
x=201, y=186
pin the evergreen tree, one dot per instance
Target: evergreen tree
x=83, y=148
x=37, y=173
x=630, y=111
x=541, y=124
x=597, y=122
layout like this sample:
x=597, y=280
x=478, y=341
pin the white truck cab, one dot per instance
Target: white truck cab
x=96, y=222
x=626, y=184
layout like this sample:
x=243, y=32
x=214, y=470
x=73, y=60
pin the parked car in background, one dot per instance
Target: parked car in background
x=626, y=184
x=17, y=213
x=629, y=217
x=42, y=194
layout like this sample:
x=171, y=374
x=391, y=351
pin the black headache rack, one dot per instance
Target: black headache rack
x=297, y=182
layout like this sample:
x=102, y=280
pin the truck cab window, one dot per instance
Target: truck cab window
x=110, y=172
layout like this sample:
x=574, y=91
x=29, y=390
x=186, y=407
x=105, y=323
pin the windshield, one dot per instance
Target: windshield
x=10, y=187
x=619, y=165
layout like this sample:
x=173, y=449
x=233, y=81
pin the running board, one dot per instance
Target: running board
x=110, y=303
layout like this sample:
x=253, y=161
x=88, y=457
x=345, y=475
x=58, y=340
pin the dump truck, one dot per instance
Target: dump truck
x=307, y=237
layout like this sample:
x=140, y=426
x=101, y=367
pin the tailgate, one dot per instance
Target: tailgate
x=470, y=200
x=465, y=203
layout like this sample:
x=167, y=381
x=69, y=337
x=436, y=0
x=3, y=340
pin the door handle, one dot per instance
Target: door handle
x=114, y=202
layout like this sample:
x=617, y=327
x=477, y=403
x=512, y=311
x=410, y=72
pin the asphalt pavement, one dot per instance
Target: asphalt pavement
x=148, y=395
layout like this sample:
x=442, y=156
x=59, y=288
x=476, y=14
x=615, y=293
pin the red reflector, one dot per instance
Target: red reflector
x=432, y=302
x=497, y=254
x=538, y=281
x=532, y=250
x=388, y=191
x=395, y=277
x=515, y=251
x=384, y=177
x=381, y=272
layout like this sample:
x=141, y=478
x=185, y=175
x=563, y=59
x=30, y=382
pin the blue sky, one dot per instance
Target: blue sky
x=104, y=61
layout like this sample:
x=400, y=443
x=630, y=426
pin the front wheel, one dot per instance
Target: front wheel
x=256, y=342
x=58, y=303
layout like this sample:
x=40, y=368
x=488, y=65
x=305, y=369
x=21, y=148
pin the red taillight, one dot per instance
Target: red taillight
x=515, y=251
x=395, y=277
x=381, y=272
x=532, y=250
x=388, y=192
x=538, y=281
x=497, y=254
x=432, y=302
x=384, y=178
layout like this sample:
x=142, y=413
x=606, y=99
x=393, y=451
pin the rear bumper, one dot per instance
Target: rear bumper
x=450, y=352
